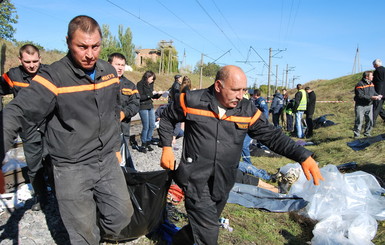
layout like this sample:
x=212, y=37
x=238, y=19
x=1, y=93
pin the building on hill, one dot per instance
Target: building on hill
x=143, y=54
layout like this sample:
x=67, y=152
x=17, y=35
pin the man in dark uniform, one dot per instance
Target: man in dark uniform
x=216, y=122
x=78, y=96
x=129, y=98
x=175, y=87
x=310, y=108
x=379, y=86
x=12, y=82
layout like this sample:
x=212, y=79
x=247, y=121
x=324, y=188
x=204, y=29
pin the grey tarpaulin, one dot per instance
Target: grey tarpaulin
x=254, y=197
x=361, y=144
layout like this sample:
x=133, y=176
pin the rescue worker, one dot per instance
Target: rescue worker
x=364, y=96
x=175, y=88
x=216, y=122
x=12, y=82
x=78, y=96
x=129, y=99
x=300, y=102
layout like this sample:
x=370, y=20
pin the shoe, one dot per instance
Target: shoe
x=143, y=149
x=274, y=177
x=39, y=203
x=148, y=146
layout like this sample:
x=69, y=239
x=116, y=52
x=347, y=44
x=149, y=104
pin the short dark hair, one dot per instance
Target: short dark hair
x=148, y=74
x=84, y=23
x=299, y=86
x=366, y=73
x=29, y=49
x=307, y=88
x=257, y=92
x=116, y=55
x=177, y=77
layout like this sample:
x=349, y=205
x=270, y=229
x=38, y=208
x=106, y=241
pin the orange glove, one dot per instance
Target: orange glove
x=167, y=160
x=310, y=167
x=2, y=182
x=122, y=116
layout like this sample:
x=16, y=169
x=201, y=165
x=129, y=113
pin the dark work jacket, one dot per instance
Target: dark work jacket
x=83, y=122
x=379, y=80
x=145, y=93
x=311, y=100
x=212, y=145
x=11, y=83
x=129, y=102
x=173, y=91
x=364, y=90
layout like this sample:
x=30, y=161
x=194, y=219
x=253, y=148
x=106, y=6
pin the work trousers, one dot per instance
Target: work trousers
x=309, y=125
x=378, y=110
x=361, y=113
x=84, y=188
x=289, y=122
x=203, y=216
x=33, y=152
x=125, y=127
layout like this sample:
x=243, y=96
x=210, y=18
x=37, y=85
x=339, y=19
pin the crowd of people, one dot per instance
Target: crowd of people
x=72, y=114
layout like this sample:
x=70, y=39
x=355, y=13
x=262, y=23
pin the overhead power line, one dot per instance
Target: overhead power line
x=224, y=34
x=155, y=27
x=189, y=26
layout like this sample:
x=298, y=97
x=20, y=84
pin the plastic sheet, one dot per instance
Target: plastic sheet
x=338, y=202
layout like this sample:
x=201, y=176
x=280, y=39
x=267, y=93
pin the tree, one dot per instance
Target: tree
x=208, y=70
x=8, y=17
x=110, y=44
x=168, y=57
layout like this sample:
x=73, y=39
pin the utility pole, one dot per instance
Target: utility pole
x=271, y=55
x=294, y=78
x=287, y=72
x=276, y=76
x=201, y=76
x=356, y=65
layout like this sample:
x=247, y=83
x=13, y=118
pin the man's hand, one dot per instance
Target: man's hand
x=167, y=160
x=310, y=167
x=122, y=116
x=2, y=182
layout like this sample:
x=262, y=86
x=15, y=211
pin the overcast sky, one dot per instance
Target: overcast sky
x=316, y=39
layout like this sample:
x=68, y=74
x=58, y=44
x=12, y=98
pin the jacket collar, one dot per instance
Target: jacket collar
x=209, y=97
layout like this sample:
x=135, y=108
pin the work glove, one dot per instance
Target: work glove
x=122, y=116
x=310, y=167
x=167, y=160
x=2, y=182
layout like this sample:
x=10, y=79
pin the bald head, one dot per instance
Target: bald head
x=230, y=84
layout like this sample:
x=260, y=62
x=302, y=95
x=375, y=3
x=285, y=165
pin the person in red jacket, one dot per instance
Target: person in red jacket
x=78, y=96
x=216, y=122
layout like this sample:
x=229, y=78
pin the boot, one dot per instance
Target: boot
x=148, y=146
x=143, y=148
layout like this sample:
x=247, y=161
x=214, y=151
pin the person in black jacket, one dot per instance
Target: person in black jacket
x=216, y=122
x=175, y=87
x=12, y=82
x=78, y=96
x=146, y=109
x=363, y=109
x=129, y=99
x=310, y=108
x=379, y=86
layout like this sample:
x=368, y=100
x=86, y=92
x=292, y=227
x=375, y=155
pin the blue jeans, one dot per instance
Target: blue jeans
x=298, y=123
x=246, y=149
x=251, y=169
x=148, y=124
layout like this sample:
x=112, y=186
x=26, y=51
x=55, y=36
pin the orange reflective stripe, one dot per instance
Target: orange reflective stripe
x=128, y=91
x=89, y=87
x=46, y=84
x=8, y=80
x=237, y=119
x=182, y=103
x=255, y=117
x=24, y=85
x=200, y=112
x=366, y=86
